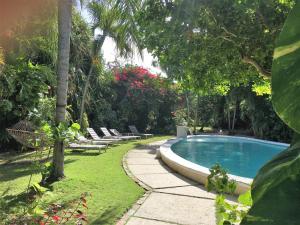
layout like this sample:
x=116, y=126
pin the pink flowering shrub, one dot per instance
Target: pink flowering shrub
x=144, y=99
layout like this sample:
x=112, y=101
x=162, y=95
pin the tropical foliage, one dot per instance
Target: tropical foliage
x=217, y=57
x=279, y=179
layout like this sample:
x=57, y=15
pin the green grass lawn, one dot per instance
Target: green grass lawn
x=112, y=191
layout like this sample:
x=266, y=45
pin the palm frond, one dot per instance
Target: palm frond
x=115, y=18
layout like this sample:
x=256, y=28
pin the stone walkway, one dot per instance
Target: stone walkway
x=171, y=198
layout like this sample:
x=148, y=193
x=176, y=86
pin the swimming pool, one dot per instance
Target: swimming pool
x=239, y=156
x=242, y=157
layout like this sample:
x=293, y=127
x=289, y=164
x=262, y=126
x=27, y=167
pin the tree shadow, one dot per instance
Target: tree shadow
x=84, y=153
x=151, y=148
x=106, y=217
x=12, y=172
x=22, y=156
x=11, y=202
x=9, y=172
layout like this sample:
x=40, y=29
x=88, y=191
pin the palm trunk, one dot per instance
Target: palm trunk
x=87, y=82
x=64, y=29
x=187, y=107
x=85, y=91
x=196, y=115
x=234, y=115
x=228, y=118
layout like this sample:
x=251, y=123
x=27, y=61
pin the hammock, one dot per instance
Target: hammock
x=24, y=133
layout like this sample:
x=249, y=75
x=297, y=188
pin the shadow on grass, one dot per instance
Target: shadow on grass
x=84, y=153
x=9, y=172
x=106, y=217
x=14, y=203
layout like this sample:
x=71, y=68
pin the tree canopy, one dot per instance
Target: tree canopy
x=211, y=45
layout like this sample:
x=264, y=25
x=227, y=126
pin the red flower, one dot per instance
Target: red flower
x=56, y=218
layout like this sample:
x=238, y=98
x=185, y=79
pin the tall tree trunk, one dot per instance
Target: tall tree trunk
x=234, y=115
x=196, y=115
x=87, y=82
x=187, y=107
x=64, y=29
x=228, y=118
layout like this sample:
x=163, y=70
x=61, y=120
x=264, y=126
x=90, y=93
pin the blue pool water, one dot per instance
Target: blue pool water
x=239, y=156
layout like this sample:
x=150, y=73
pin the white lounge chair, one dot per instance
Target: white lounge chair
x=83, y=140
x=95, y=136
x=107, y=134
x=118, y=134
x=134, y=131
x=75, y=146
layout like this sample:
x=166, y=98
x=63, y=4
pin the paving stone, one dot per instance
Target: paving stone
x=174, y=200
x=157, y=143
x=142, y=161
x=148, y=169
x=194, y=191
x=146, y=150
x=164, y=180
x=140, y=155
x=141, y=221
x=178, y=209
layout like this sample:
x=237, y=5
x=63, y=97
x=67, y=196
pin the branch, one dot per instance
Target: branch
x=228, y=32
x=258, y=67
x=262, y=19
x=229, y=40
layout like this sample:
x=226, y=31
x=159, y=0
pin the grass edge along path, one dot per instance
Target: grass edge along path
x=112, y=191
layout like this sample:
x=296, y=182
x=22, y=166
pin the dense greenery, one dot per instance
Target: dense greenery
x=28, y=81
x=278, y=180
x=217, y=56
x=26, y=74
x=219, y=52
x=210, y=99
x=217, y=43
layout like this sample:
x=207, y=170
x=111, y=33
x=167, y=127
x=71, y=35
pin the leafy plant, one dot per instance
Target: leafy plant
x=227, y=213
x=65, y=133
x=46, y=171
x=275, y=189
x=219, y=181
x=232, y=213
x=37, y=189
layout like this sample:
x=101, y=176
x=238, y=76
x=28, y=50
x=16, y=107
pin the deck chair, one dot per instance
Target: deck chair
x=75, y=146
x=134, y=131
x=118, y=134
x=107, y=134
x=95, y=136
x=83, y=140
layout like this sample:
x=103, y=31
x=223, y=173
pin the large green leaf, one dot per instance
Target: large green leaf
x=276, y=191
x=286, y=71
x=276, y=188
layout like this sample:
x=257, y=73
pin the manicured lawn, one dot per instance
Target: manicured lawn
x=112, y=191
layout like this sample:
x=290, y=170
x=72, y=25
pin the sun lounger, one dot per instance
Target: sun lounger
x=95, y=136
x=118, y=134
x=107, y=134
x=75, y=146
x=82, y=140
x=134, y=131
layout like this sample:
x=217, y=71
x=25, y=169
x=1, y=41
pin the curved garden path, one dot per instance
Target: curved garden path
x=170, y=197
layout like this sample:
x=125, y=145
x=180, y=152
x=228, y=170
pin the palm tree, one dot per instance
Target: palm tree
x=114, y=18
x=64, y=29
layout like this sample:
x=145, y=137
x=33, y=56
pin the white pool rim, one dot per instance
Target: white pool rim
x=200, y=173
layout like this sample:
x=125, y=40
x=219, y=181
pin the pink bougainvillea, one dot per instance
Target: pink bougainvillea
x=138, y=80
x=131, y=74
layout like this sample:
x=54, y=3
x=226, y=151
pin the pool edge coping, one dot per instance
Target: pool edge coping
x=200, y=173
